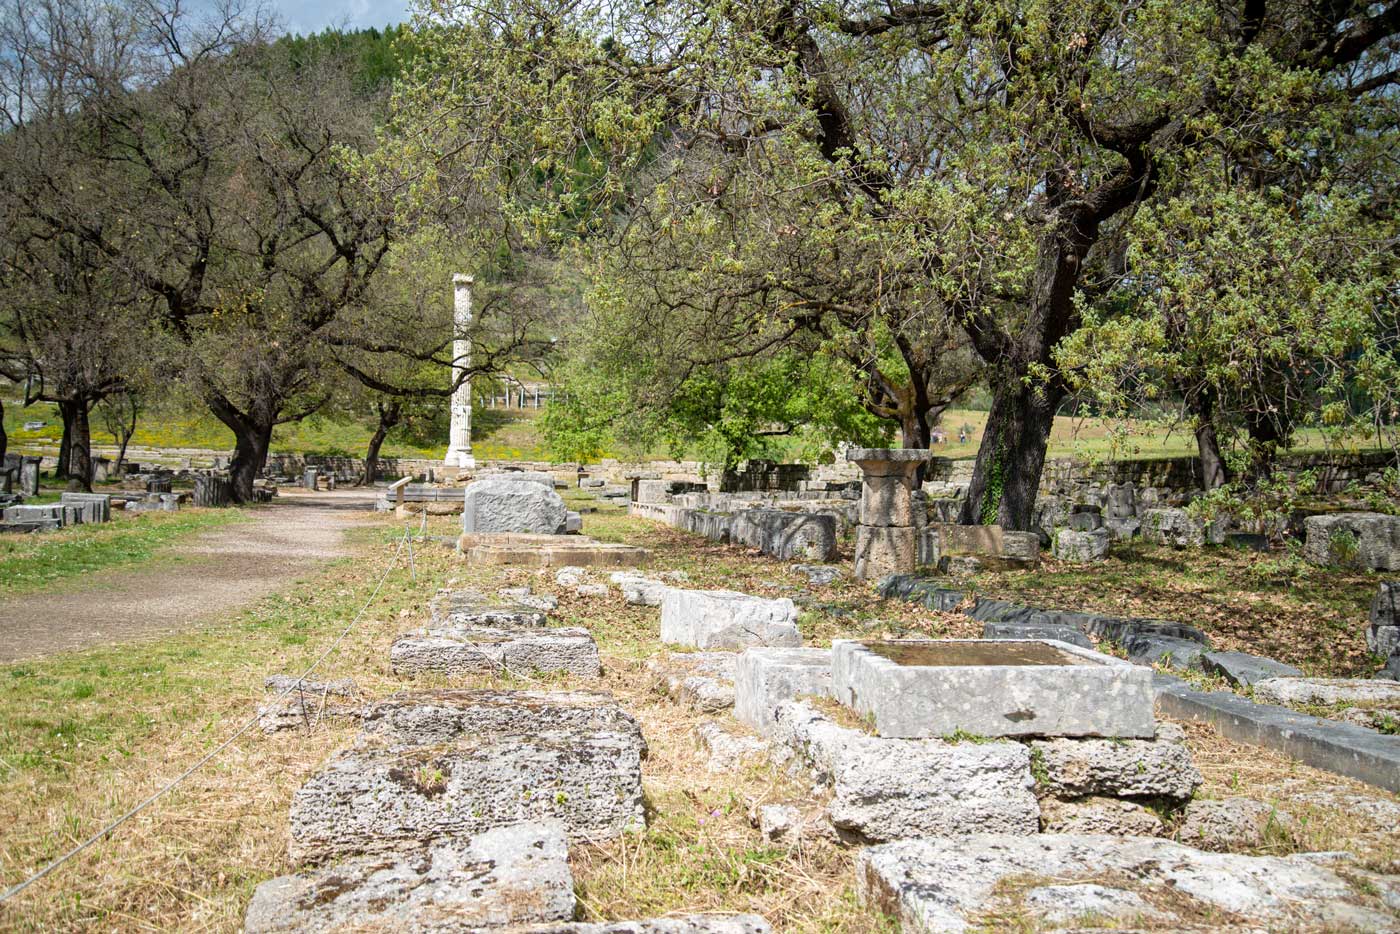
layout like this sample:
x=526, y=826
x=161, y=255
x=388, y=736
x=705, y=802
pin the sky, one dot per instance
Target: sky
x=308, y=16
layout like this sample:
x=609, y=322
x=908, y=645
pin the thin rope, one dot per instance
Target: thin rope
x=247, y=725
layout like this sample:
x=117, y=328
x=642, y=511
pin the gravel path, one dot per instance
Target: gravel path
x=222, y=570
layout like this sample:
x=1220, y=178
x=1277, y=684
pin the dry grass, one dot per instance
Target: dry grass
x=85, y=735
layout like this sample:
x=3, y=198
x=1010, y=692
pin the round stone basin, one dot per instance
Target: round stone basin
x=974, y=652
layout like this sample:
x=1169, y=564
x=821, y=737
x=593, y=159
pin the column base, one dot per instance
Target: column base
x=462, y=459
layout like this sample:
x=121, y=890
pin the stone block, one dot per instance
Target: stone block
x=383, y=794
x=786, y=535
x=1180, y=529
x=1023, y=631
x=1158, y=768
x=651, y=491
x=1365, y=540
x=701, y=680
x=1099, y=815
x=987, y=540
x=779, y=823
x=1148, y=648
x=724, y=619
x=884, y=551
x=764, y=678
x=727, y=751
x=944, y=885
x=1084, y=547
x=465, y=609
x=95, y=507
x=922, y=688
x=1122, y=529
x=686, y=924
x=493, y=651
x=926, y=591
x=297, y=703
x=640, y=591
x=887, y=500
x=819, y=575
x=1243, y=669
x=504, y=876
x=502, y=505
x=1230, y=823
x=1291, y=692
x=1085, y=521
x=1383, y=633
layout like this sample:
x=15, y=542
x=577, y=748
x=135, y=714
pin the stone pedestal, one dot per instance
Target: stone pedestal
x=29, y=476
x=886, y=538
x=459, y=447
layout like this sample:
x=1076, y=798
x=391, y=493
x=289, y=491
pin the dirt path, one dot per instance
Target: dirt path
x=222, y=570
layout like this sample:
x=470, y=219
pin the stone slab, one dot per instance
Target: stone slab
x=549, y=551
x=690, y=924
x=1242, y=669
x=948, y=886
x=1089, y=694
x=497, y=504
x=492, y=651
x=1326, y=691
x=1342, y=748
x=726, y=619
x=701, y=680
x=504, y=876
x=764, y=678
x=465, y=609
x=297, y=703
x=1153, y=649
x=1022, y=631
x=786, y=535
x=1159, y=769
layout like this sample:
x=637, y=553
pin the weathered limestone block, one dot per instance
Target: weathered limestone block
x=1230, y=823
x=299, y=703
x=1058, y=904
x=786, y=535
x=779, y=823
x=1122, y=530
x=1135, y=768
x=427, y=718
x=652, y=491
x=640, y=591
x=817, y=574
x=570, y=576
x=465, y=609
x=94, y=507
x=1367, y=540
x=884, y=551
x=690, y=924
x=1081, y=547
x=764, y=678
x=523, y=476
x=1243, y=669
x=504, y=876
x=728, y=751
x=1295, y=691
x=1149, y=648
x=501, y=505
x=375, y=798
x=701, y=680
x=1059, y=633
x=886, y=789
x=724, y=619
x=989, y=541
x=1179, y=529
x=890, y=789
x=487, y=651
x=950, y=884
x=1383, y=634
x=1099, y=815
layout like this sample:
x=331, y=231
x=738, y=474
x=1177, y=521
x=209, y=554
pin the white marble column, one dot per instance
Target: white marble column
x=459, y=448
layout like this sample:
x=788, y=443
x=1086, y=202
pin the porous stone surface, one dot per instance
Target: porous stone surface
x=384, y=793
x=779, y=823
x=465, y=609
x=884, y=551
x=1099, y=815
x=1086, y=694
x=1373, y=718
x=724, y=619
x=727, y=751
x=1179, y=529
x=691, y=924
x=299, y=703
x=1367, y=540
x=1230, y=823
x=818, y=574
x=948, y=885
x=570, y=576
x=591, y=590
x=503, y=876
x=1082, y=547
x=1062, y=904
x=1243, y=669
x=1036, y=631
x=886, y=789
x=485, y=651
x=523, y=476
x=1136, y=768
x=1383, y=633
x=640, y=591
x=764, y=678
x=701, y=680
x=496, y=504
x=1292, y=691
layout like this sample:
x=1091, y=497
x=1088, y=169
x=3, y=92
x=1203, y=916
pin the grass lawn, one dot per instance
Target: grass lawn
x=42, y=561
x=84, y=735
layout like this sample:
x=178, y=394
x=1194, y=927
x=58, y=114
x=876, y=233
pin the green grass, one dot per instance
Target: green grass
x=31, y=563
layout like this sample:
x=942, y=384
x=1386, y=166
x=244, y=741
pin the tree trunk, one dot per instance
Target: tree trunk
x=389, y=416
x=4, y=438
x=1012, y=455
x=1213, y=473
x=80, y=449
x=251, y=444
x=65, y=444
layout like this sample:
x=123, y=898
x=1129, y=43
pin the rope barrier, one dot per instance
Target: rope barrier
x=247, y=725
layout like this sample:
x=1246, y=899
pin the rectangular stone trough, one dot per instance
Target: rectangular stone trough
x=929, y=688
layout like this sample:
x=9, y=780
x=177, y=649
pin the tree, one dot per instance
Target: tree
x=985, y=157
x=119, y=416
